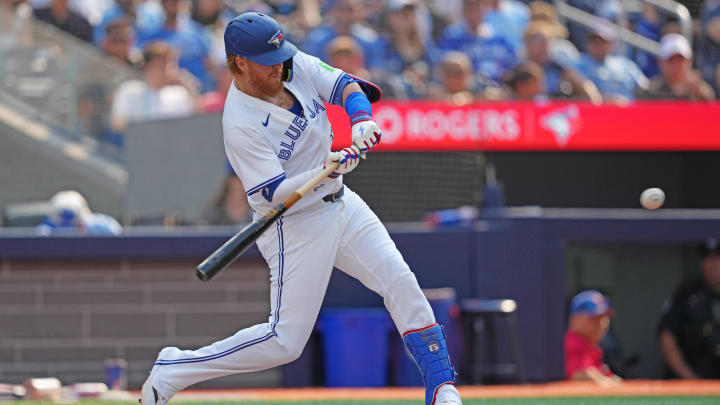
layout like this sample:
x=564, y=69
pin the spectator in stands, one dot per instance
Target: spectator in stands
x=411, y=84
x=508, y=18
x=649, y=25
x=617, y=77
x=188, y=37
x=677, y=80
x=92, y=105
x=230, y=206
x=345, y=53
x=457, y=84
x=490, y=53
x=709, y=43
x=212, y=18
x=605, y=9
x=346, y=18
x=119, y=40
x=145, y=16
x=60, y=15
x=69, y=212
x=560, y=49
x=561, y=80
x=405, y=40
x=214, y=101
x=590, y=314
x=527, y=82
x=689, y=329
x=166, y=92
x=299, y=17
x=206, y=12
x=654, y=25
x=15, y=31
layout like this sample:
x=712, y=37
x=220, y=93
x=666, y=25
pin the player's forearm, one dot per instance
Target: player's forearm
x=673, y=356
x=349, y=89
x=291, y=184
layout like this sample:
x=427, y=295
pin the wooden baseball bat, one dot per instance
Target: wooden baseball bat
x=241, y=241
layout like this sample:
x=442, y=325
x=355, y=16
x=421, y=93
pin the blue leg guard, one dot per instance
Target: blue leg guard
x=429, y=349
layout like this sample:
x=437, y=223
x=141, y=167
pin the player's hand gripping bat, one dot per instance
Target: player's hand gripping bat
x=235, y=246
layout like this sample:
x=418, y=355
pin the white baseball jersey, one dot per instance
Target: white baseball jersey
x=266, y=143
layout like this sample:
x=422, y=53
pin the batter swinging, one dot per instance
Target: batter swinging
x=277, y=136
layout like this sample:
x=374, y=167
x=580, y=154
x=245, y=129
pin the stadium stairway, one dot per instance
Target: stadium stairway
x=63, y=319
x=36, y=161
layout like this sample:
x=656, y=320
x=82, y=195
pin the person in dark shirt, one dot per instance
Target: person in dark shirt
x=677, y=81
x=689, y=329
x=60, y=15
x=527, y=82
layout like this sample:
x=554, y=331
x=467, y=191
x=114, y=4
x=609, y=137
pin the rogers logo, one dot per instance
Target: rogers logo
x=563, y=123
x=471, y=124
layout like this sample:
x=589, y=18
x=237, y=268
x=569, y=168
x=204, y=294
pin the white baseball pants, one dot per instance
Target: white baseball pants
x=301, y=251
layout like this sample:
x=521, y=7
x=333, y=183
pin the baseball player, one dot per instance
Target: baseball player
x=277, y=136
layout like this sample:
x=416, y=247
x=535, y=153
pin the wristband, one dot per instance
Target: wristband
x=358, y=107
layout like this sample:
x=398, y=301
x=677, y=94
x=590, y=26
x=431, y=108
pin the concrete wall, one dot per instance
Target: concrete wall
x=63, y=318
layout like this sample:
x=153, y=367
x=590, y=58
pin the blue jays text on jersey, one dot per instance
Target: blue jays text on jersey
x=296, y=129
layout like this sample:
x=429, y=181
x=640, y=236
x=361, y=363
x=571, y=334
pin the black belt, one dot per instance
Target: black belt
x=334, y=196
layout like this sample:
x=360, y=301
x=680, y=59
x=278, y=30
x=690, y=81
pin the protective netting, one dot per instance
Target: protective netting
x=404, y=186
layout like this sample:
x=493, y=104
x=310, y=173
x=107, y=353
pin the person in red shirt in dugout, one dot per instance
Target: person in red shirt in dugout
x=590, y=314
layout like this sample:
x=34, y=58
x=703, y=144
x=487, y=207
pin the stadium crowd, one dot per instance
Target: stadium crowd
x=459, y=51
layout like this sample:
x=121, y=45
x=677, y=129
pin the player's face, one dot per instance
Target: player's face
x=268, y=79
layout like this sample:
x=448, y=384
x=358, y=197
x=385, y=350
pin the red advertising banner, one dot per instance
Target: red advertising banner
x=554, y=126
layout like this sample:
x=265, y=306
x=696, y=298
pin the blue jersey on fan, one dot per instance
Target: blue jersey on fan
x=491, y=55
x=192, y=42
x=615, y=76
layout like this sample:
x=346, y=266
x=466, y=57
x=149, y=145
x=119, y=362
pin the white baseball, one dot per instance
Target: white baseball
x=652, y=198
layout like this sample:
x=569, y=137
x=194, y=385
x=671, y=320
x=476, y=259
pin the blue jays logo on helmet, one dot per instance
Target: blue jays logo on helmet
x=275, y=40
x=259, y=38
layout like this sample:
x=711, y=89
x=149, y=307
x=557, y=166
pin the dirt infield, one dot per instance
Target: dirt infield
x=643, y=388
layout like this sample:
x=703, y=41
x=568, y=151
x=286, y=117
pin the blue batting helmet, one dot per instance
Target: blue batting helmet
x=258, y=38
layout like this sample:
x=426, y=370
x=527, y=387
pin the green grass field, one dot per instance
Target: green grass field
x=523, y=401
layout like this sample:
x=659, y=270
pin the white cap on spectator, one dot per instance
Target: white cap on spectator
x=399, y=4
x=604, y=29
x=675, y=44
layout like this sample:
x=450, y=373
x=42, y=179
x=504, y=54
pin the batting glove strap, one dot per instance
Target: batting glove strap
x=429, y=349
x=360, y=116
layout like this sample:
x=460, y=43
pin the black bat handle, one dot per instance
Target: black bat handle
x=235, y=246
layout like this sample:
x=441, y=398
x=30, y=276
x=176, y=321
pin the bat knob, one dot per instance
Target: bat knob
x=202, y=275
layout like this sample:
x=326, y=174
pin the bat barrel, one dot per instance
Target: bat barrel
x=237, y=245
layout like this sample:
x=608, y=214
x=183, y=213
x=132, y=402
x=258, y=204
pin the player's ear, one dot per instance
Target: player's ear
x=242, y=64
x=236, y=64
